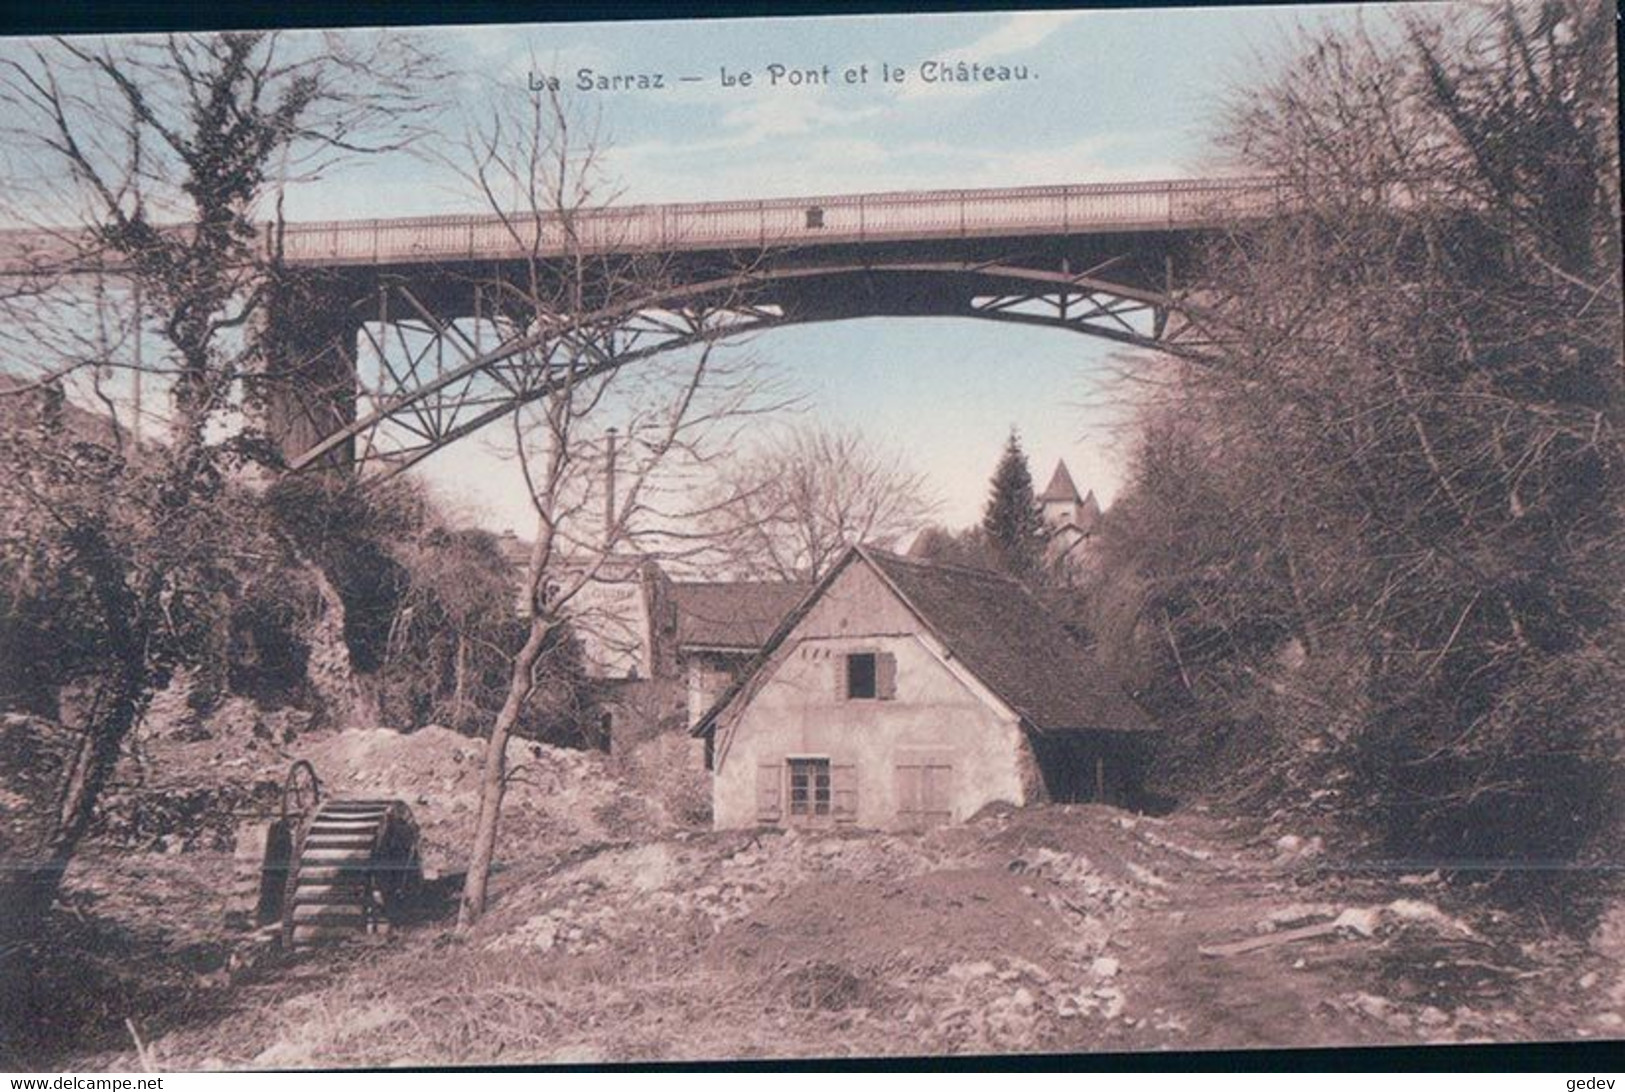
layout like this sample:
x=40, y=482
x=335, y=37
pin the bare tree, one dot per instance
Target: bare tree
x=150, y=162
x=175, y=152
x=788, y=510
x=574, y=301
x=1388, y=520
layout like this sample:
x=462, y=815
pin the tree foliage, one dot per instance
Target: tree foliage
x=151, y=157
x=968, y=547
x=1384, y=528
x=1012, y=521
x=450, y=640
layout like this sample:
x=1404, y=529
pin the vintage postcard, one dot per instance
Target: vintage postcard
x=948, y=535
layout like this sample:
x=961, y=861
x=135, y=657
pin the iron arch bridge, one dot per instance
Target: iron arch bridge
x=401, y=336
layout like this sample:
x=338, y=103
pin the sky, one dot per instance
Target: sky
x=1109, y=96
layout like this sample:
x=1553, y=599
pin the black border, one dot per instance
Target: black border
x=137, y=16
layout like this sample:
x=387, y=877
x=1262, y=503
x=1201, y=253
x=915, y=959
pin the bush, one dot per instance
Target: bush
x=1384, y=523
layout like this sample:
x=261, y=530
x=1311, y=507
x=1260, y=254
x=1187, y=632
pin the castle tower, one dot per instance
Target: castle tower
x=1064, y=509
x=1072, y=520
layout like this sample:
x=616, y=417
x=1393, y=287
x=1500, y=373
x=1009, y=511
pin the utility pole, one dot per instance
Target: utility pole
x=609, y=489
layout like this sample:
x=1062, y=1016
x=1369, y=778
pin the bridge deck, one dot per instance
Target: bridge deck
x=742, y=225
x=797, y=221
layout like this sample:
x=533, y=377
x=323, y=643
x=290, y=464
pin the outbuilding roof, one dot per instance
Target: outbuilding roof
x=735, y=616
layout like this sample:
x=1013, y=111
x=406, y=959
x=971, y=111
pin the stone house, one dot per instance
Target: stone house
x=720, y=628
x=902, y=694
x=660, y=651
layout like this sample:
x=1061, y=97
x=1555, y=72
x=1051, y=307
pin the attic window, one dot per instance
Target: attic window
x=861, y=675
x=815, y=217
x=866, y=676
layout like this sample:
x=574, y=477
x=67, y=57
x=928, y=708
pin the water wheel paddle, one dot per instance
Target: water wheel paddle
x=354, y=868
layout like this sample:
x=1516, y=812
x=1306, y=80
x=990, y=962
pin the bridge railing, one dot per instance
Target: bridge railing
x=799, y=221
x=785, y=222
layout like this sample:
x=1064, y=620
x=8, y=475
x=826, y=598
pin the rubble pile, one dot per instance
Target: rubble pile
x=556, y=798
x=1052, y=929
x=1068, y=881
x=666, y=768
x=699, y=884
x=972, y=951
x=703, y=884
x=1010, y=1005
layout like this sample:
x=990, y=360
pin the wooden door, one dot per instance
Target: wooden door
x=924, y=791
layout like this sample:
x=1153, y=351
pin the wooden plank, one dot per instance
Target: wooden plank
x=1270, y=940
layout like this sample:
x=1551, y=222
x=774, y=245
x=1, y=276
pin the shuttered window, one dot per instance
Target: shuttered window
x=885, y=676
x=924, y=791
x=866, y=676
x=843, y=779
x=769, y=778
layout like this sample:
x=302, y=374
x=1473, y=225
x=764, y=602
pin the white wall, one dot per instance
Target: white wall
x=796, y=708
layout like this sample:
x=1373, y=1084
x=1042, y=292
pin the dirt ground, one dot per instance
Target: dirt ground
x=1051, y=929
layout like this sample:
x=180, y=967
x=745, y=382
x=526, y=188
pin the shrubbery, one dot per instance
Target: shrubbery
x=1380, y=532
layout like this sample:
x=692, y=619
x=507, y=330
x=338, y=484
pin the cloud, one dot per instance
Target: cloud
x=1017, y=34
x=775, y=116
x=862, y=164
x=739, y=135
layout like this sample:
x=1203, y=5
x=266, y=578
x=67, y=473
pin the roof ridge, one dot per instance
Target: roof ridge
x=743, y=583
x=943, y=566
x=977, y=620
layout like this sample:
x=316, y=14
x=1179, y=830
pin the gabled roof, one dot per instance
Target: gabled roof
x=1061, y=486
x=994, y=627
x=1089, y=513
x=1001, y=633
x=736, y=615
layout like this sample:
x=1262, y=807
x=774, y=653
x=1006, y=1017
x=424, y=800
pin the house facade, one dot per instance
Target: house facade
x=659, y=651
x=901, y=694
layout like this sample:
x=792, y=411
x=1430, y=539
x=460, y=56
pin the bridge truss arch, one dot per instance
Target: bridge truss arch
x=391, y=338
x=416, y=364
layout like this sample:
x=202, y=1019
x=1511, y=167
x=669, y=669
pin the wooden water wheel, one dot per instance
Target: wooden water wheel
x=354, y=867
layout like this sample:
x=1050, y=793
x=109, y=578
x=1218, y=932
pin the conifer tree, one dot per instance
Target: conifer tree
x=1013, y=523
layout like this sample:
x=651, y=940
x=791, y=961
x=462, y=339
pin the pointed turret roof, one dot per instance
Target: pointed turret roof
x=1060, y=486
x=1089, y=514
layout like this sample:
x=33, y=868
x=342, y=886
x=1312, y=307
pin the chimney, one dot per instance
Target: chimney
x=609, y=489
